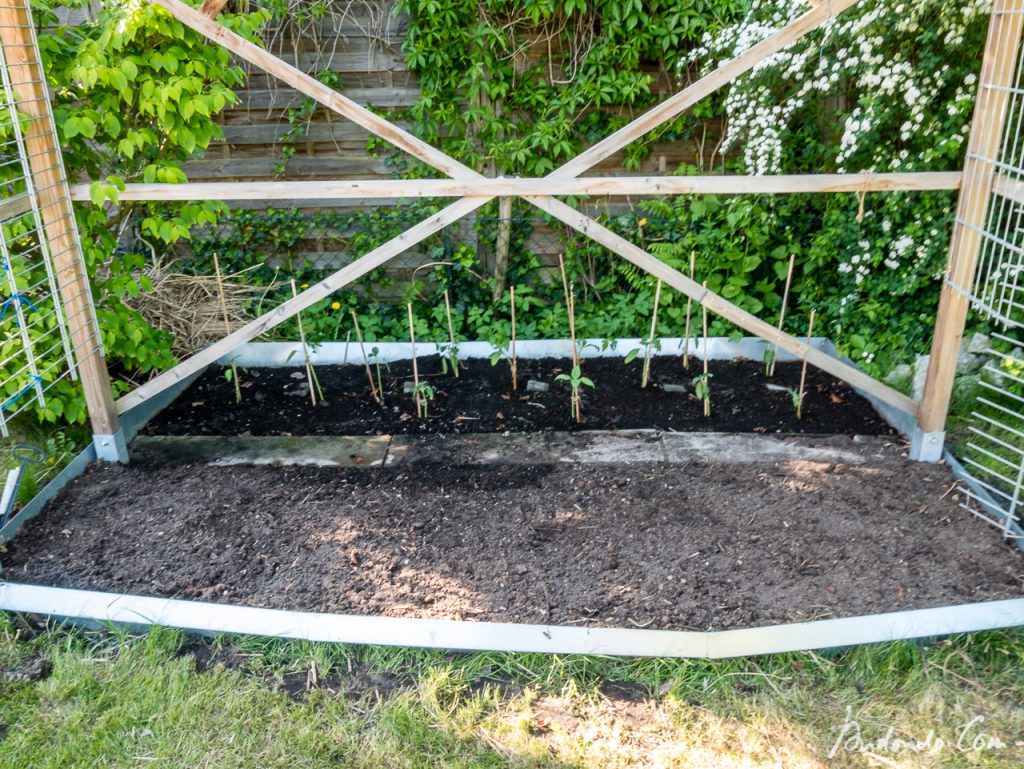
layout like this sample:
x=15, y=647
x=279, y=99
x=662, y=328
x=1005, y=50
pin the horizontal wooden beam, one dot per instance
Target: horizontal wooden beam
x=350, y=272
x=1009, y=188
x=16, y=206
x=614, y=185
x=722, y=307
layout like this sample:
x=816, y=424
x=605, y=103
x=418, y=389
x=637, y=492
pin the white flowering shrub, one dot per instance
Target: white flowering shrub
x=884, y=86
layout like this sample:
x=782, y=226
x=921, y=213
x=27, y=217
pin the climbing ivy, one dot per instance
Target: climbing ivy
x=520, y=87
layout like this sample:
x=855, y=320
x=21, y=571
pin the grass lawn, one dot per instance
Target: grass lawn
x=75, y=698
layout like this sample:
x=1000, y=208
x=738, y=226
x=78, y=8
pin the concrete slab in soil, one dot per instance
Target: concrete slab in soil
x=622, y=447
x=334, y=451
x=626, y=446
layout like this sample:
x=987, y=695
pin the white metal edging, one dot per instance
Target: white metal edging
x=211, y=618
x=284, y=354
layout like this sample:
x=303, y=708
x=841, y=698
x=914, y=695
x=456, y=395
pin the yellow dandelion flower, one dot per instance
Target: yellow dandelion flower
x=304, y=285
x=335, y=305
x=642, y=222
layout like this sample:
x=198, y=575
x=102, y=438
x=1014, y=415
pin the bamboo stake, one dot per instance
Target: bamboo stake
x=565, y=282
x=782, y=312
x=689, y=304
x=512, y=297
x=377, y=396
x=576, y=404
x=451, y=333
x=707, y=381
x=570, y=306
x=415, y=365
x=314, y=384
x=650, y=339
x=227, y=326
x=803, y=372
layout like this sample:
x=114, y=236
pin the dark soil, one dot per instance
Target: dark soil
x=693, y=546
x=275, y=401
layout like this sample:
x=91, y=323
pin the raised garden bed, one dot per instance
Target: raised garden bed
x=693, y=544
x=275, y=401
x=498, y=507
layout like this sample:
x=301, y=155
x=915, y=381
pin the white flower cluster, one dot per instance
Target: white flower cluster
x=862, y=68
x=855, y=54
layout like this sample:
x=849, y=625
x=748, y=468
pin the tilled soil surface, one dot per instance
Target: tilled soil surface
x=275, y=401
x=698, y=546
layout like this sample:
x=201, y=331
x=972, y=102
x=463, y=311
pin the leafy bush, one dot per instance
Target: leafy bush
x=135, y=95
x=885, y=87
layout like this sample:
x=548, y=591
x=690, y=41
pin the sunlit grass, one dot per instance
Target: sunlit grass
x=115, y=699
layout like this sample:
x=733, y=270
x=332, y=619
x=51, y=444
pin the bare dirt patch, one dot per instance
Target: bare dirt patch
x=691, y=546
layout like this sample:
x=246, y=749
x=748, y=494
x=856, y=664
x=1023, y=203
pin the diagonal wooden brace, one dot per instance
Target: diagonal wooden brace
x=720, y=306
x=707, y=85
x=314, y=89
x=350, y=272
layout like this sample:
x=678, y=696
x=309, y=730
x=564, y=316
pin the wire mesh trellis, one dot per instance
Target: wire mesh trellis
x=994, y=451
x=35, y=341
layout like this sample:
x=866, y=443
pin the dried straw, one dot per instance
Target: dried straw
x=189, y=307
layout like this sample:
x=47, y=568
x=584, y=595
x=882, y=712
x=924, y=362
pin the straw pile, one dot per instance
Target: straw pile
x=189, y=306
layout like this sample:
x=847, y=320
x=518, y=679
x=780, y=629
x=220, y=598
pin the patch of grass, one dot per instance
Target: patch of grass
x=116, y=699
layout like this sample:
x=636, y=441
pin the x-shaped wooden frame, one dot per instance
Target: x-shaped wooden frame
x=488, y=189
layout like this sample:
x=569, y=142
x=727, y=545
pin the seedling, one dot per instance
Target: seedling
x=794, y=395
x=782, y=310
x=450, y=354
x=702, y=384
x=421, y=407
x=689, y=305
x=503, y=352
x=769, y=360
x=702, y=390
x=575, y=380
x=424, y=394
x=650, y=343
x=449, y=358
x=232, y=375
x=378, y=395
x=314, y=382
x=374, y=356
x=803, y=371
x=647, y=346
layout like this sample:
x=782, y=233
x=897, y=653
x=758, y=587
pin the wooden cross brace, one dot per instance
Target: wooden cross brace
x=437, y=159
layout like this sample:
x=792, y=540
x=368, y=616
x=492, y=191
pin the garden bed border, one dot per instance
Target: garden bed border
x=136, y=611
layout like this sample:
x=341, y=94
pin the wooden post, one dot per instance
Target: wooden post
x=17, y=36
x=998, y=74
x=501, y=249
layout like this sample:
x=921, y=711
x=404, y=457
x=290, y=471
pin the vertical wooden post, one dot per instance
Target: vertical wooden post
x=998, y=74
x=501, y=249
x=17, y=36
